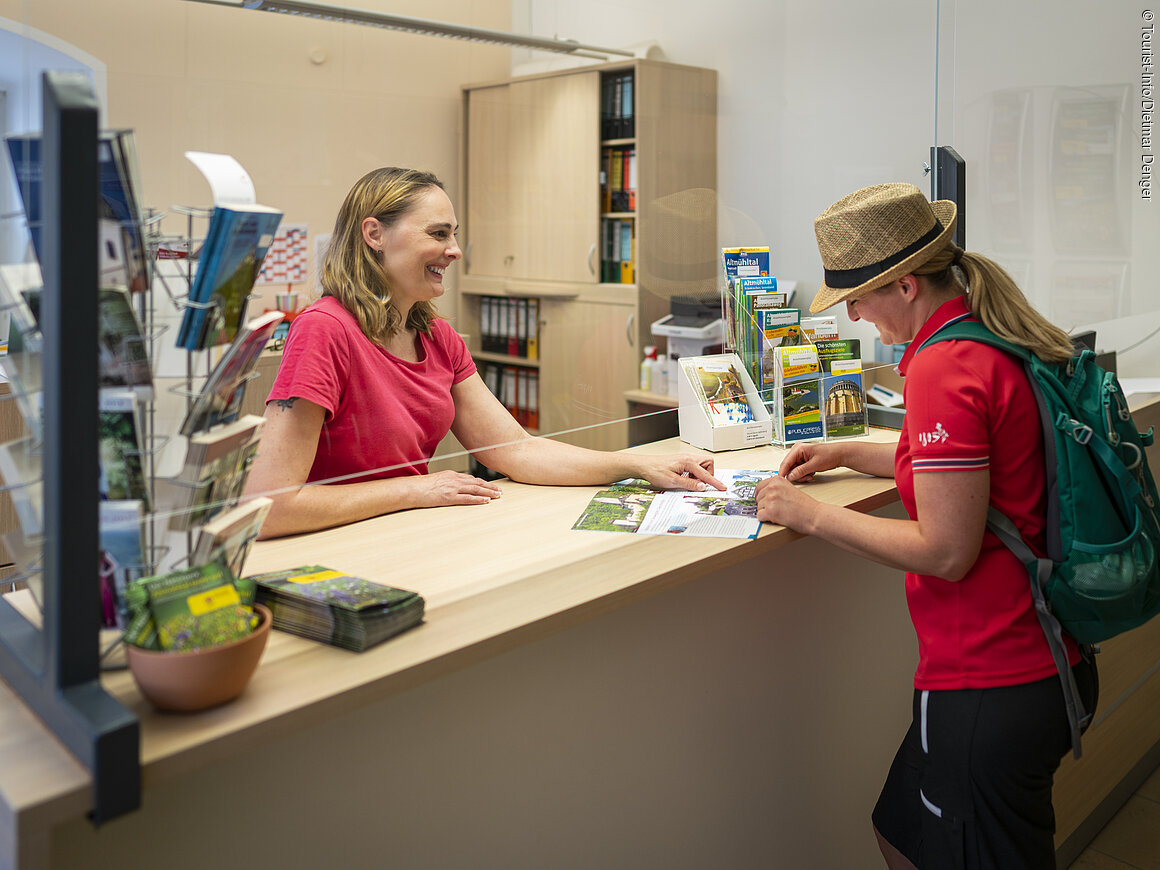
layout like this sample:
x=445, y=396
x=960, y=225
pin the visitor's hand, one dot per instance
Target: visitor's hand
x=779, y=501
x=804, y=460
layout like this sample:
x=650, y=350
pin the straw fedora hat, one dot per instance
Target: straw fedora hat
x=877, y=234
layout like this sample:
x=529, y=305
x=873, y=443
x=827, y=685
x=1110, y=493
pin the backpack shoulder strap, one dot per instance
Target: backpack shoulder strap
x=965, y=327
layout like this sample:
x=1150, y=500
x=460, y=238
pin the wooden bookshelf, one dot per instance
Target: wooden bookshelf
x=535, y=213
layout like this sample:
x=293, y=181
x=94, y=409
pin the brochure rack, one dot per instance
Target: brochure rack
x=56, y=669
x=722, y=409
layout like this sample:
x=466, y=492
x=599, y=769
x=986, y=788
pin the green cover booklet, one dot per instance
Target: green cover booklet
x=191, y=609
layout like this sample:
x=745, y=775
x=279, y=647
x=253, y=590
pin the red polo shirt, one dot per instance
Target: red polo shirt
x=970, y=407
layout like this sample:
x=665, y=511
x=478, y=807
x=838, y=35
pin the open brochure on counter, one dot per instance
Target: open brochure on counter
x=635, y=506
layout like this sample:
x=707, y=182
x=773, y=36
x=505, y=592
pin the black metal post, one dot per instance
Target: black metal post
x=948, y=180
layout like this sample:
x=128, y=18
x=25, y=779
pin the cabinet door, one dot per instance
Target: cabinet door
x=588, y=359
x=490, y=238
x=533, y=179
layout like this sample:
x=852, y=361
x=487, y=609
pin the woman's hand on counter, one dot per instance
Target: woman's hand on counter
x=452, y=487
x=683, y=471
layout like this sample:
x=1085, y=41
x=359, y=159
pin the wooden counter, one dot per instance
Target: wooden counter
x=574, y=699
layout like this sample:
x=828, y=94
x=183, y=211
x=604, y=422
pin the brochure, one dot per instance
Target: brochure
x=634, y=506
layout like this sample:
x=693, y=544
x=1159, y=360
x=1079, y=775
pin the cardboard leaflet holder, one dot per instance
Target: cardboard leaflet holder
x=719, y=407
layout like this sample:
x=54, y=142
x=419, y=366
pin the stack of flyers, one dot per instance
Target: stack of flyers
x=843, y=391
x=799, y=414
x=721, y=391
x=739, y=263
x=752, y=298
x=332, y=607
x=778, y=328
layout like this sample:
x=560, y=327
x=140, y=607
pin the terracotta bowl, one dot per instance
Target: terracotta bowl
x=200, y=678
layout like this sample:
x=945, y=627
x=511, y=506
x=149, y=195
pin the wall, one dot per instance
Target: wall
x=306, y=106
x=24, y=53
x=819, y=97
x=1049, y=109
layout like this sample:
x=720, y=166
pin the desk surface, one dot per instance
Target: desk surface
x=494, y=577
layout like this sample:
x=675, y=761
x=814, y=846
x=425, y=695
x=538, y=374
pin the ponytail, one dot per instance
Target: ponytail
x=996, y=300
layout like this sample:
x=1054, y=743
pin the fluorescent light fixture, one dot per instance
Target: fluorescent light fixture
x=406, y=24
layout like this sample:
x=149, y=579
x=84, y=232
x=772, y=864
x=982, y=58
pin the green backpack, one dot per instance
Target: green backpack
x=1101, y=576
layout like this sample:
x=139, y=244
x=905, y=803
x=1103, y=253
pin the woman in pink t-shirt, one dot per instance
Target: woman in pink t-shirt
x=970, y=786
x=372, y=380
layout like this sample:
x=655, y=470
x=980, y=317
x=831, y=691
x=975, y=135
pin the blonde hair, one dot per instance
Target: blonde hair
x=996, y=300
x=351, y=271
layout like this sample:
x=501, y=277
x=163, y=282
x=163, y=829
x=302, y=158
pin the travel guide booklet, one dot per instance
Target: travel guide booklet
x=194, y=608
x=779, y=328
x=121, y=557
x=739, y=263
x=229, y=536
x=800, y=415
x=220, y=399
x=634, y=506
x=840, y=350
x=122, y=349
x=119, y=187
x=119, y=445
x=235, y=247
x=844, y=405
x=754, y=297
x=842, y=388
x=214, y=474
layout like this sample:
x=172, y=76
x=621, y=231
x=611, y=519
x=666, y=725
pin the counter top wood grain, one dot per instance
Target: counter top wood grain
x=494, y=577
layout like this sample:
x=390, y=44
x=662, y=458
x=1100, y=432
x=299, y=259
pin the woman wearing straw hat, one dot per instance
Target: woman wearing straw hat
x=971, y=783
x=372, y=379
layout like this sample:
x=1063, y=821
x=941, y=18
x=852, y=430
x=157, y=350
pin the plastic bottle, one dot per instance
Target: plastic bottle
x=672, y=375
x=660, y=373
x=647, y=368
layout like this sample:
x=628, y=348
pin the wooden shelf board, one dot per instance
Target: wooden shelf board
x=503, y=358
x=645, y=397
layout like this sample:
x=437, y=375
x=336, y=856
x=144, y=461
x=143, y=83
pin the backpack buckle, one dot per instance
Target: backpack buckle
x=1135, y=463
x=1080, y=432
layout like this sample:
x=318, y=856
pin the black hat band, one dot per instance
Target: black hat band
x=843, y=279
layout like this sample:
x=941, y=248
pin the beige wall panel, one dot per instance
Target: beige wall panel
x=188, y=76
x=136, y=36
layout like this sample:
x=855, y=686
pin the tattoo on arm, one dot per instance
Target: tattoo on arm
x=285, y=404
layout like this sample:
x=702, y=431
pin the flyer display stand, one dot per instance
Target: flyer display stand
x=719, y=407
